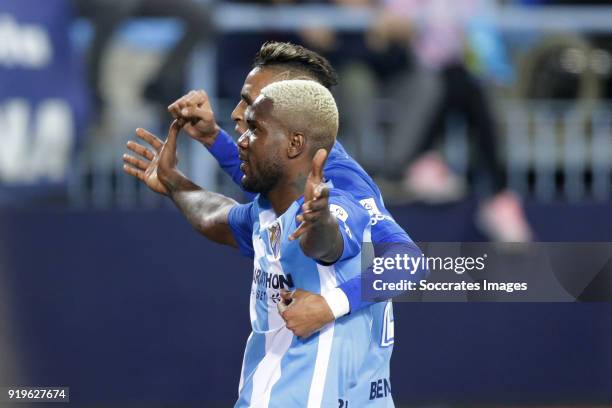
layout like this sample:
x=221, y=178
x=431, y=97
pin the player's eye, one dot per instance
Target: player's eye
x=252, y=127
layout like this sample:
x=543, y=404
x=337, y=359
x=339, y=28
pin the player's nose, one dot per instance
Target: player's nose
x=238, y=113
x=243, y=140
x=240, y=126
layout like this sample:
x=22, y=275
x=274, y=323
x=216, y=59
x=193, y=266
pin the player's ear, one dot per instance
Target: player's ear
x=297, y=144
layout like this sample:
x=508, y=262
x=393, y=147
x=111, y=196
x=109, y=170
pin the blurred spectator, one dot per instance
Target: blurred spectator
x=379, y=79
x=438, y=31
x=380, y=65
x=235, y=50
x=169, y=81
x=370, y=71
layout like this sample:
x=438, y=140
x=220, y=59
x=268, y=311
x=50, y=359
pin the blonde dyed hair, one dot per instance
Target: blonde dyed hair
x=306, y=107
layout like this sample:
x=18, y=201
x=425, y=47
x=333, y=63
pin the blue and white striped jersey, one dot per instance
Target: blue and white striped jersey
x=344, y=173
x=345, y=364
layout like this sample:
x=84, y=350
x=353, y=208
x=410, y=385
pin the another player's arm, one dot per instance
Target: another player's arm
x=206, y=211
x=320, y=238
x=195, y=109
x=319, y=232
x=200, y=124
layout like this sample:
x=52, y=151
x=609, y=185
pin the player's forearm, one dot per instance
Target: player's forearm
x=206, y=211
x=323, y=240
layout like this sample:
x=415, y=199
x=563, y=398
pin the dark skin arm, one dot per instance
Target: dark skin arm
x=308, y=312
x=205, y=210
x=197, y=119
x=305, y=312
x=319, y=233
x=194, y=111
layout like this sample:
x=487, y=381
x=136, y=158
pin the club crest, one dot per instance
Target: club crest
x=274, y=239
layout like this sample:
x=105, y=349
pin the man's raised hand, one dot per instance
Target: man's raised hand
x=153, y=167
x=144, y=165
x=316, y=195
x=195, y=113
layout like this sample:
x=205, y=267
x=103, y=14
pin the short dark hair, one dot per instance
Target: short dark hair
x=297, y=58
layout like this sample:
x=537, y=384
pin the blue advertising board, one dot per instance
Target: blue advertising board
x=43, y=101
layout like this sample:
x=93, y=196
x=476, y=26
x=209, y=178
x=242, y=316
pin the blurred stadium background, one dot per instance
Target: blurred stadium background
x=104, y=288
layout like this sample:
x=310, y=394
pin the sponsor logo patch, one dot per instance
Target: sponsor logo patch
x=370, y=205
x=338, y=212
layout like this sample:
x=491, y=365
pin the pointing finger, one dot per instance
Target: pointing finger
x=317, y=164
